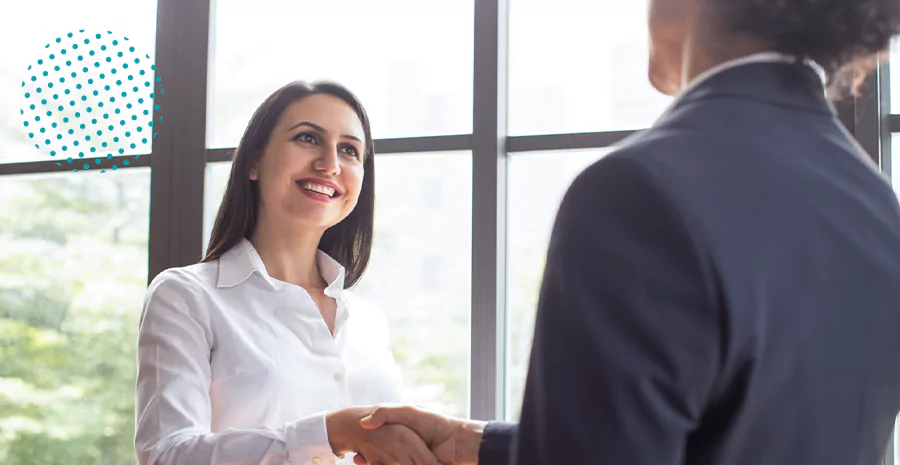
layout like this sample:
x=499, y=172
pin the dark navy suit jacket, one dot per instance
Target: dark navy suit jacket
x=724, y=289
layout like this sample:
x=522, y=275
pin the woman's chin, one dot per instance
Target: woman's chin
x=313, y=218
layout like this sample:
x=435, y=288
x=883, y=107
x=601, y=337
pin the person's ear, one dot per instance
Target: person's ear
x=254, y=173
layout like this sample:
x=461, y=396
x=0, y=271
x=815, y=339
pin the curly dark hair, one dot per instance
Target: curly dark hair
x=842, y=36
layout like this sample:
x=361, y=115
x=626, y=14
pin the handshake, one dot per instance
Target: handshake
x=402, y=435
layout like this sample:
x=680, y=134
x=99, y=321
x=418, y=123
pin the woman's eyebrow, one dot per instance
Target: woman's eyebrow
x=309, y=124
x=322, y=130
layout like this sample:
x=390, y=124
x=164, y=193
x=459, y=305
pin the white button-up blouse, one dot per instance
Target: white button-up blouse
x=236, y=367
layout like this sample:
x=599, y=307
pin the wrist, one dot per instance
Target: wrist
x=343, y=429
x=468, y=443
x=335, y=430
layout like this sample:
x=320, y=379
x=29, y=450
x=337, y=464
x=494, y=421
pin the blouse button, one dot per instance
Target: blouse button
x=316, y=461
x=339, y=376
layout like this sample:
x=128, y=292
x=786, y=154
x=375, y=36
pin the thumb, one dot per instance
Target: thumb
x=374, y=420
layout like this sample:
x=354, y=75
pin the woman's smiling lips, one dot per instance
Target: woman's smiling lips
x=319, y=189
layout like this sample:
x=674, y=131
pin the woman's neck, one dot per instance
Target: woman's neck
x=289, y=253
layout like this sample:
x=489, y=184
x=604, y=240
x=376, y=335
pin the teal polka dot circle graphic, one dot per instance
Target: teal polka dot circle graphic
x=90, y=98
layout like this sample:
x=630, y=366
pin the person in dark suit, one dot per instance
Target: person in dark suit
x=725, y=287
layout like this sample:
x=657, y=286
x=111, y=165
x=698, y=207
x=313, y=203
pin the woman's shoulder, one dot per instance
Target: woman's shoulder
x=191, y=278
x=180, y=295
x=188, y=285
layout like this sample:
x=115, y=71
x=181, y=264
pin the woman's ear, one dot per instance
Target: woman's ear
x=254, y=173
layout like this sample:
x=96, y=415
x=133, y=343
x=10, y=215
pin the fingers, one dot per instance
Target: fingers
x=395, y=445
x=375, y=457
x=411, y=447
x=420, y=454
x=359, y=459
x=374, y=420
x=382, y=415
x=368, y=458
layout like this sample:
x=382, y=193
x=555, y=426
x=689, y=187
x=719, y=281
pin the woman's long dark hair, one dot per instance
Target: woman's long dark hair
x=350, y=241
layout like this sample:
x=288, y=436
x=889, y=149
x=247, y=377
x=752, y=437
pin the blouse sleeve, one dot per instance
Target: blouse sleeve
x=173, y=408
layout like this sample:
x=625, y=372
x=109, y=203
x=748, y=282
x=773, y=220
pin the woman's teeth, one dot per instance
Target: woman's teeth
x=318, y=188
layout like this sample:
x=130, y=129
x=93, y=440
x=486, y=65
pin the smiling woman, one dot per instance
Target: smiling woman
x=278, y=128
x=239, y=354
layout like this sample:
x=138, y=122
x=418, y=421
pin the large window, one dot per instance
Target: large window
x=73, y=246
x=73, y=273
x=420, y=272
x=531, y=212
x=462, y=221
x=579, y=67
x=409, y=61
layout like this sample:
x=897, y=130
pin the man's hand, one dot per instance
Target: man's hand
x=451, y=440
x=391, y=445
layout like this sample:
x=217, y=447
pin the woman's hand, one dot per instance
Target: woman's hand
x=388, y=445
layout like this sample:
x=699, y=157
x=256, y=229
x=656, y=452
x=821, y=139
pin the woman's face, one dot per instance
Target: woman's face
x=311, y=171
x=669, y=24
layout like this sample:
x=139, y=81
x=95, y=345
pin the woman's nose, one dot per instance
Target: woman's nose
x=328, y=160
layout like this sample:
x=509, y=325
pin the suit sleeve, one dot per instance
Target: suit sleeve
x=496, y=443
x=627, y=337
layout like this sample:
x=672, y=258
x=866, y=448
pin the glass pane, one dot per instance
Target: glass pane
x=420, y=270
x=73, y=274
x=895, y=76
x=409, y=61
x=214, y=188
x=68, y=72
x=585, y=71
x=530, y=216
x=894, y=447
x=895, y=163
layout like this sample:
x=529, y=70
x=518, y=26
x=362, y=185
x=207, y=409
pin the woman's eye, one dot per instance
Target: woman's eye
x=350, y=150
x=305, y=137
